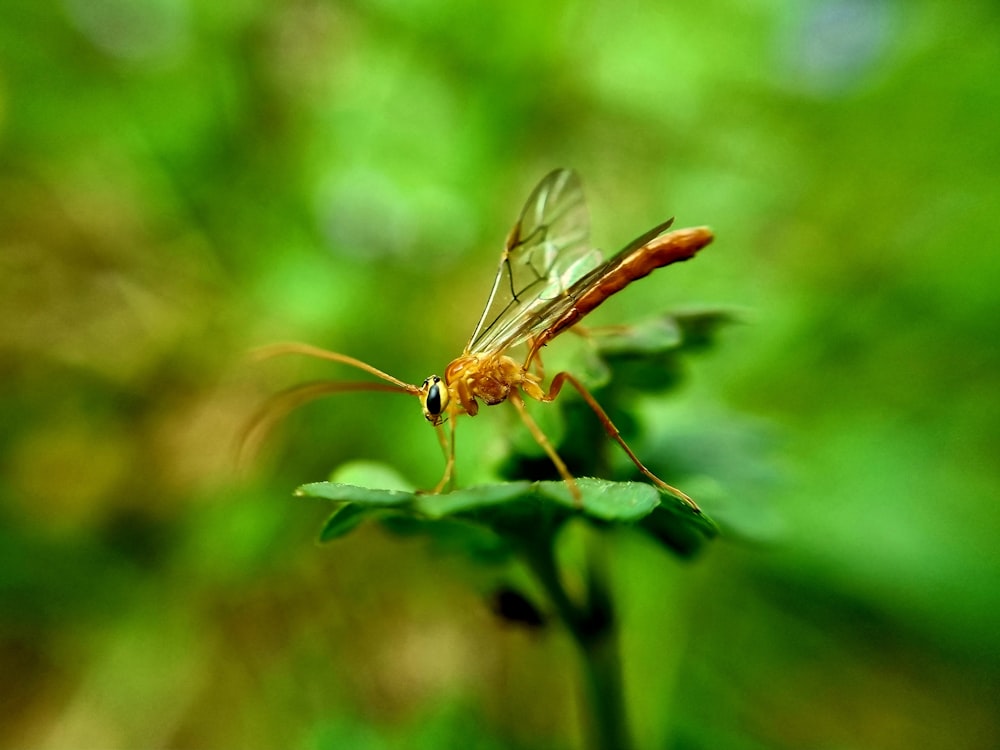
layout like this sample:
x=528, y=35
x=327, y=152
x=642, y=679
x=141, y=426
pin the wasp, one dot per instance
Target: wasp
x=549, y=278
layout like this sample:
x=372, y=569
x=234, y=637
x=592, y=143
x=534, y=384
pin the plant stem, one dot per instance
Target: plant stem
x=591, y=625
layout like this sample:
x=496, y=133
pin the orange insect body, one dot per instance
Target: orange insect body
x=671, y=248
x=489, y=378
x=549, y=279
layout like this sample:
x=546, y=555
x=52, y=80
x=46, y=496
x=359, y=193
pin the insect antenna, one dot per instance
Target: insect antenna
x=281, y=404
x=308, y=350
x=278, y=406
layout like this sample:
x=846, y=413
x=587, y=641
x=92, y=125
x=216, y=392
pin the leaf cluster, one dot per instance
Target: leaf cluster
x=490, y=521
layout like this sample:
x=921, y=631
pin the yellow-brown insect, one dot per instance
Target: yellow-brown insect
x=549, y=278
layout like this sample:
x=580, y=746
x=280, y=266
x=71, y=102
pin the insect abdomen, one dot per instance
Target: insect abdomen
x=674, y=247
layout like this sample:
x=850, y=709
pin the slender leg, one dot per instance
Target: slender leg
x=542, y=440
x=536, y=355
x=448, y=448
x=534, y=347
x=609, y=427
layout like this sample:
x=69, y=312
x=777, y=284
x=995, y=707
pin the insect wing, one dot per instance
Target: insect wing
x=547, y=251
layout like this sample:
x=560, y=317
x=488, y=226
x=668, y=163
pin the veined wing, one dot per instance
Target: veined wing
x=551, y=315
x=547, y=252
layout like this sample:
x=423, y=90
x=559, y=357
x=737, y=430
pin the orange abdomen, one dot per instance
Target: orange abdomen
x=673, y=247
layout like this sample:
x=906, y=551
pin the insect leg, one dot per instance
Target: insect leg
x=536, y=356
x=609, y=427
x=534, y=346
x=542, y=440
x=448, y=448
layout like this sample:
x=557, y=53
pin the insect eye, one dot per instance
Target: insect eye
x=435, y=398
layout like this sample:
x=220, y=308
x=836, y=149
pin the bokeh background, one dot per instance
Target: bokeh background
x=181, y=182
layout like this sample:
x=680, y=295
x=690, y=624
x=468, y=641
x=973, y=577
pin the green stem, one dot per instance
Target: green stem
x=591, y=625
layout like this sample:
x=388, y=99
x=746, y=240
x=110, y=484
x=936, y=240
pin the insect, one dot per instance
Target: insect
x=548, y=279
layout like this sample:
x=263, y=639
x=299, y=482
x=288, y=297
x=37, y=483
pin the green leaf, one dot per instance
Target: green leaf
x=472, y=500
x=691, y=329
x=344, y=520
x=519, y=512
x=352, y=493
x=371, y=474
x=646, y=356
x=699, y=327
x=472, y=540
x=651, y=336
x=676, y=527
x=359, y=503
x=624, y=502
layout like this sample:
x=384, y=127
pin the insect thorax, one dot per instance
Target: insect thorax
x=488, y=377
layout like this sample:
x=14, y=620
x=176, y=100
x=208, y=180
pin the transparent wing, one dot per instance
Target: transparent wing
x=547, y=316
x=547, y=251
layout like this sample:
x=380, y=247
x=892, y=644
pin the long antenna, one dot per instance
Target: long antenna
x=281, y=404
x=295, y=347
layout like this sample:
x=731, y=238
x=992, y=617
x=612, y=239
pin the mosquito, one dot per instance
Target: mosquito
x=548, y=279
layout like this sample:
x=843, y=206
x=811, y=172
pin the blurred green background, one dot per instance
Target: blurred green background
x=182, y=182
